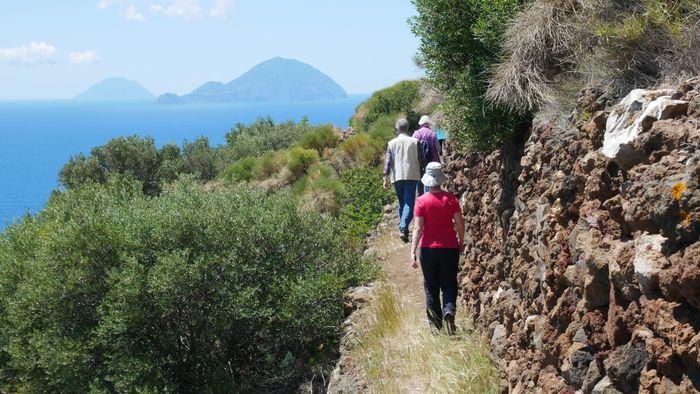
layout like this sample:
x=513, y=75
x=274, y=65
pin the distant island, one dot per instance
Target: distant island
x=276, y=79
x=115, y=89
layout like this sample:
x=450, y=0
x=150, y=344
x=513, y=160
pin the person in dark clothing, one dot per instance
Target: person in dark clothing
x=429, y=147
x=437, y=213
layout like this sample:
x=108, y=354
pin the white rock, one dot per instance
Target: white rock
x=605, y=386
x=498, y=339
x=627, y=121
x=497, y=295
x=648, y=260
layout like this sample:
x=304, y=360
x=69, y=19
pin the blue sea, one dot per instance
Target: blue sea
x=38, y=137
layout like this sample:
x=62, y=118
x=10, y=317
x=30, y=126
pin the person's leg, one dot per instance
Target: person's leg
x=429, y=265
x=399, y=186
x=420, y=189
x=410, y=200
x=448, y=262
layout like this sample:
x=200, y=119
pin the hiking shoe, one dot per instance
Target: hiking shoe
x=449, y=318
x=404, y=235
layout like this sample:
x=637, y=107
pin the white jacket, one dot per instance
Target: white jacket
x=403, y=156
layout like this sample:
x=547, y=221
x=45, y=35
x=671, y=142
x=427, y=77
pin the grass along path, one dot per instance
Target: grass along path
x=399, y=354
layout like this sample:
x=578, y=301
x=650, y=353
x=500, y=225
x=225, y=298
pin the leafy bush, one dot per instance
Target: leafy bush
x=460, y=42
x=401, y=98
x=300, y=159
x=240, y=171
x=137, y=157
x=198, y=158
x=132, y=156
x=365, y=199
x=263, y=136
x=171, y=163
x=320, y=139
x=107, y=290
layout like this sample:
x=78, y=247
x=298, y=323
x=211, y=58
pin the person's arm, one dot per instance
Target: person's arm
x=388, y=165
x=459, y=223
x=418, y=225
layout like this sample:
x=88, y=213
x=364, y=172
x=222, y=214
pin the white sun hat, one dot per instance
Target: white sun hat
x=433, y=175
x=425, y=119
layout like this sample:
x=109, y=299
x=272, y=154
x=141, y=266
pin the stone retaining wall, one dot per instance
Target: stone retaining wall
x=583, y=259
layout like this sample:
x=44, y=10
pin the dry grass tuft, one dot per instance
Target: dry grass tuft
x=538, y=44
x=399, y=354
x=625, y=43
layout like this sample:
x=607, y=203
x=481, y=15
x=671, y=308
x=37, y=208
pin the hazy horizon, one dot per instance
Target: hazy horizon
x=55, y=50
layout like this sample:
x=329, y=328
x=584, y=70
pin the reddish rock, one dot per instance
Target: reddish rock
x=574, y=256
x=549, y=382
x=681, y=281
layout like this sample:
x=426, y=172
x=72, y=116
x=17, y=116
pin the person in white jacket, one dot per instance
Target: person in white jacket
x=402, y=168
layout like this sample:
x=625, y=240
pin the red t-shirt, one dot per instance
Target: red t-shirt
x=437, y=211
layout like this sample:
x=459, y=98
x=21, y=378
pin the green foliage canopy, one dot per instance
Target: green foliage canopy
x=108, y=290
x=365, y=200
x=264, y=136
x=459, y=43
x=132, y=156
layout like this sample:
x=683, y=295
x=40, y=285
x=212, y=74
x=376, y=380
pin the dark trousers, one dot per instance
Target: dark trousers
x=439, y=274
x=421, y=189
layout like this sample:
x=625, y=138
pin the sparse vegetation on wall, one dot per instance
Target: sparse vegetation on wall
x=554, y=47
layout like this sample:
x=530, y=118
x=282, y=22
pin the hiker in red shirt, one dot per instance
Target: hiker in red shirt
x=437, y=213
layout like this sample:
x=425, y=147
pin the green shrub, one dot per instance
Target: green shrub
x=107, y=290
x=171, y=163
x=363, y=206
x=300, y=159
x=353, y=145
x=240, y=171
x=370, y=155
x=321, y=138
x=382, y=129
x=131, y=156
x=460, y=43
x=364, y=149
x=320, y=190
x=198, y=158
x=263, y=136
x=269, y=164
x=401, y=98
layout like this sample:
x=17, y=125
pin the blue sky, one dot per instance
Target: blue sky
x=55, y=49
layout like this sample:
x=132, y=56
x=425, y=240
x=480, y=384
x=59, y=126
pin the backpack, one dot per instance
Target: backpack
x=425, y=150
